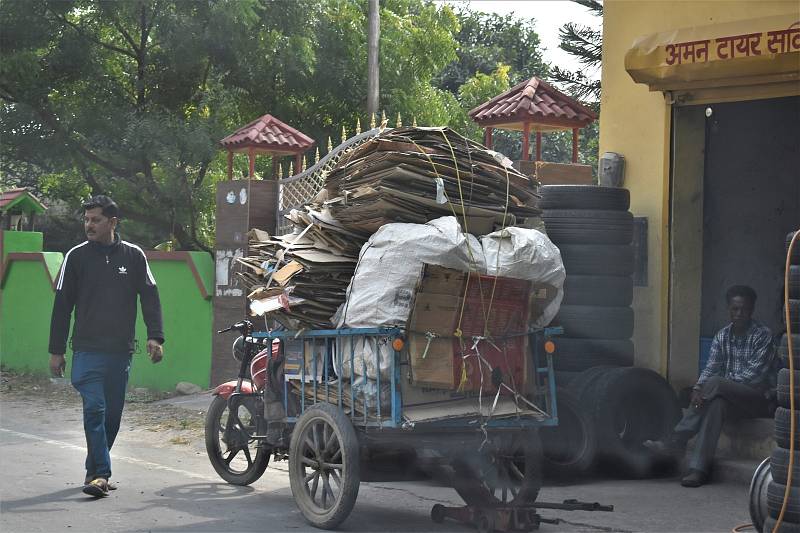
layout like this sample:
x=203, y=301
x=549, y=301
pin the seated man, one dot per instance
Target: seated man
x=735, y=382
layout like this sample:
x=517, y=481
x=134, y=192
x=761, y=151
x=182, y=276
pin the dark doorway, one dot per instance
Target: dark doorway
x=751, y=200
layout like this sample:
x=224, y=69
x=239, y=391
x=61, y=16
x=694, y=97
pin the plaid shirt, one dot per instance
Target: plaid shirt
x=747, y=359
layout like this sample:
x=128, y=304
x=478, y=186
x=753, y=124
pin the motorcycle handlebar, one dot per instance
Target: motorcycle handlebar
x=243, y=327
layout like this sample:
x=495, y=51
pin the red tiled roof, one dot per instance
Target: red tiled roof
x=536, y=102
x=12, y=195
x=268, y=134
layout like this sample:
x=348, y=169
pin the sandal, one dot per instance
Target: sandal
x=111, y=486
x=97, y=488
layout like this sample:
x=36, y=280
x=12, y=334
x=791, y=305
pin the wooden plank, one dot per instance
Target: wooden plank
x=563, y=174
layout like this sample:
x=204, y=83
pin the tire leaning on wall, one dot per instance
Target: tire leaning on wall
x=627, y=407
x=569, y=449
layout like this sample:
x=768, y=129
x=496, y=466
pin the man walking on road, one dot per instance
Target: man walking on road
x=735, y=382
x=101, y=279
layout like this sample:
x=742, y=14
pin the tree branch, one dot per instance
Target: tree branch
x=95, y=40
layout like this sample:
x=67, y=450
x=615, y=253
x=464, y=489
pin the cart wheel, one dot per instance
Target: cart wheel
x=437, y=513
x=507, y=472
x=323, y=466
x=237, y=458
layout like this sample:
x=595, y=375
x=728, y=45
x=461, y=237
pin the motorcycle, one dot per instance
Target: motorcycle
x=239, y=436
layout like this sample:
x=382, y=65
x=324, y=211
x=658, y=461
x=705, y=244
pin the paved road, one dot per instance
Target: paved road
x=164, y=487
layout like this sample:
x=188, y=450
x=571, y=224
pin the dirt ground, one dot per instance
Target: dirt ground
x=158, y=424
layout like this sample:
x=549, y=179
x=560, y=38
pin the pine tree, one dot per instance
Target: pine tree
x=585, y=44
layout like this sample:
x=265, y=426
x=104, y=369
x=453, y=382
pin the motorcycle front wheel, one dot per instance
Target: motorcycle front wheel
x=236, y=457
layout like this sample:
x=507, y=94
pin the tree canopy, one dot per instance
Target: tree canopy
x=130, y=98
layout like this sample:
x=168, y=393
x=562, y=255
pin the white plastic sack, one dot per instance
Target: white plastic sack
x=526, y=254
x=381, y=292
x=369, y=353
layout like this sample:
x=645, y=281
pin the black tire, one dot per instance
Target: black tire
x=794, y=315
x=598, y=259
x=595, y=322
x=784, y=390
x=795, y=260
x=775, y=494
x=438, y=513
x=568, y=449
x=629, y=406
x=786, y=527
x=783, y=349
x=794, y=280
x=779, y=462
x=582, y=385
x=236, y=457
x=323, y=434
x=563, y=378
x=579, y=354
x=614, y=291
x=588, y=226
x=584, y=197
x=783, y=428
x=762, y=477
x=507, y=472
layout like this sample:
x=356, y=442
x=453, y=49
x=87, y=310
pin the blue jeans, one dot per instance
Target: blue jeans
x=101, y=379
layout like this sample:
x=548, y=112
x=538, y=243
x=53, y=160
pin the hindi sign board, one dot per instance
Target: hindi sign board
x=738, y=52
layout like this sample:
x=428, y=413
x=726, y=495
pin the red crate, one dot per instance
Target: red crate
x=495, y=308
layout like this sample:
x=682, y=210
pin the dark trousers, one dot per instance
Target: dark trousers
x=101, y=380
x=723, y=399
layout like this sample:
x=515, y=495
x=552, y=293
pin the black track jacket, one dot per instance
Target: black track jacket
x=102, y=284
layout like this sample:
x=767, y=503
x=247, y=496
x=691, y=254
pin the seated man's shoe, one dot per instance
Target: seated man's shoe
x=695, y=478
x=97, y=487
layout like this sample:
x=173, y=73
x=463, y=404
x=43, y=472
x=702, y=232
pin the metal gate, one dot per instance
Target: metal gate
x=298, y=190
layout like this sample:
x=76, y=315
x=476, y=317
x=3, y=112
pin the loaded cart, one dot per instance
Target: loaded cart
x=456, y=394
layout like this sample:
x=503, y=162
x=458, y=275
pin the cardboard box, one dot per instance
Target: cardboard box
x=440, y=280
x=432, y=359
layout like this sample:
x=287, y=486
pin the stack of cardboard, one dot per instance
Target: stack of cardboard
x=400, y=175
x=419, y=174
x=300, y=279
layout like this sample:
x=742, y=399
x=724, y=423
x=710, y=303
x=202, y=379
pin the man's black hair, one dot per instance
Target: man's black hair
x=109, y=206
x=744, y=291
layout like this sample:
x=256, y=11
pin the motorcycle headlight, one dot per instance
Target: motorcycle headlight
x=237, y=350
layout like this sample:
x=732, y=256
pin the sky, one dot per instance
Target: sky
x=550, y=15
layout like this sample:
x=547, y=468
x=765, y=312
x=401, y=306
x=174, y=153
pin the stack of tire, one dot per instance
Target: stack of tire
x=782, y=455
x=593, y=228
x=606, y=409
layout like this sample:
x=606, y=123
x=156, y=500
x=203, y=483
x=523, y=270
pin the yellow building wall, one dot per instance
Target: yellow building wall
x=636, y=123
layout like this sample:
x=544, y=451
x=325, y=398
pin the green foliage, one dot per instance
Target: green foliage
x=130, y=97
x=487, y=40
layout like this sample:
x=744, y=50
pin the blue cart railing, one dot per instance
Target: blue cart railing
x=359, y=370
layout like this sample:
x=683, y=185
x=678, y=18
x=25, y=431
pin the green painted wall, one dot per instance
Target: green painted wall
x=21, y=241
x=187, y=327
x=27, y=298
x=25, y=305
